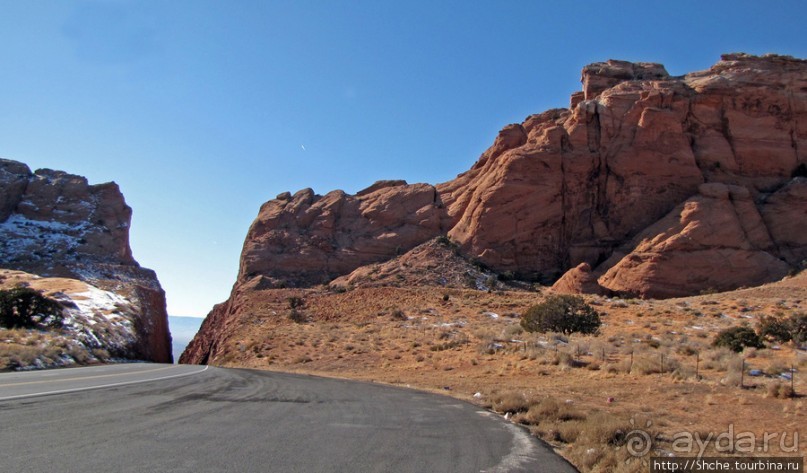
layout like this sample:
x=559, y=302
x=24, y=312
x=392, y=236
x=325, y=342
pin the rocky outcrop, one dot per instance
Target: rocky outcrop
x=567, y=186
x=785, y=215
x=435, y=263
x=55, y=224
x=579, y=280
x=589, y=178
x=715, y=241
x=647, y=184
x=305, y=239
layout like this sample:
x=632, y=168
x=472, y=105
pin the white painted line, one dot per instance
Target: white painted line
x=89, y=388
x=125, y=373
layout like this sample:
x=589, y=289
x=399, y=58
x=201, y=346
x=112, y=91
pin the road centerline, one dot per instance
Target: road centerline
x=101, y=386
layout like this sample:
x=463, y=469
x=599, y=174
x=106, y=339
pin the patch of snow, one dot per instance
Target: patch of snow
x=460, y=323
x=98, y=301
x=36, y=239
x=99, y=319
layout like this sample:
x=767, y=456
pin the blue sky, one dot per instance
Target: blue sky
x=203, y=110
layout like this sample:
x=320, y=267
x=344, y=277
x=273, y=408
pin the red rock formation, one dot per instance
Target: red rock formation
x=308, y=239
x=579, y=280
x=785, y=215
x=589, y=178
x=56, y=224
x=566, y=186
x=710, y=154
x=716, y=240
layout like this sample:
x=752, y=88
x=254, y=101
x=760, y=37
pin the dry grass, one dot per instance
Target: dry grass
x=44, y=349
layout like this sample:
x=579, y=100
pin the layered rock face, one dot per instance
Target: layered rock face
x=572, y=186
x=55, y=224
x=305, y=239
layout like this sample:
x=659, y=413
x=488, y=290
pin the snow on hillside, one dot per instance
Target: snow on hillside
x=38, y=239
x=98, y=325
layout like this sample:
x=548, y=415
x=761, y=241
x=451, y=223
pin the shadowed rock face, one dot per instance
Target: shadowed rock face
x=567, y=186
x=56, y=224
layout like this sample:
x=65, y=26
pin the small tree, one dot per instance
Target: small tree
x=784, y=329
x=295, y=304
x=561, y=313
x=775, y=329
x=23, y=307
x=738, y=338
x=797, y=323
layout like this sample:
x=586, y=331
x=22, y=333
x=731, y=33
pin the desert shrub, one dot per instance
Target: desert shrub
x=718, y=359
x=512, y=402
x=551, y=410
x=654, y=363
x=23, y=307
x=602, y=428
x=490, y=281
x=295, y=314
x=296, y=302
x=774, y=328
x=453, y=341
x=512, y=331
x=737, y=338
x=561, y=313
x=780, y=390
x=444, y=240
x=797, y=323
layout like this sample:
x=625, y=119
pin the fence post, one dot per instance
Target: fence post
x=697, y=366
x=742, y=375
x=792, y=380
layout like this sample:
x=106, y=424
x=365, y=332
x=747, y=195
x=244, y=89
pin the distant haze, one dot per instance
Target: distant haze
x=182, y=330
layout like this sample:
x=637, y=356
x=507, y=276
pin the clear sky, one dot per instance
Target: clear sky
x=203, y=110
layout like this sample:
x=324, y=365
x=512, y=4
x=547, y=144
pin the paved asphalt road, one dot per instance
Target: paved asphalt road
x=163, y=418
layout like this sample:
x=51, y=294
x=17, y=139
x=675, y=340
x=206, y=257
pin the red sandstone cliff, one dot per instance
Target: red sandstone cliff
x=647, y=184
x=55, y=224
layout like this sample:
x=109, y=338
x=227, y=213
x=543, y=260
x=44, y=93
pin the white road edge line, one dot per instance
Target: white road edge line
x=89, y=388
x=521, y=450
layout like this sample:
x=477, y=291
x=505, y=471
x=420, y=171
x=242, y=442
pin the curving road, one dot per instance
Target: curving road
x=164, y=418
